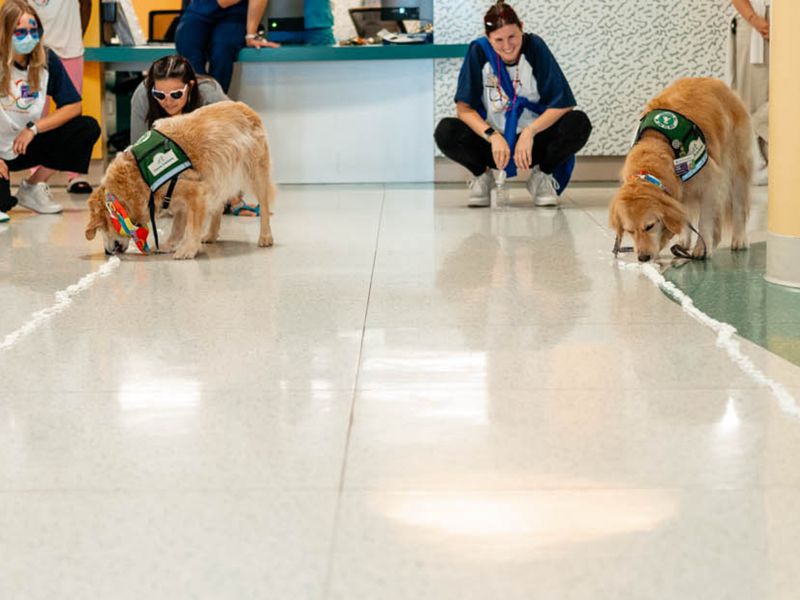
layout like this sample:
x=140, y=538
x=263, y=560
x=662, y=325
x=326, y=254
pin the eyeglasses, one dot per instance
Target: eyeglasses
x=175, y=94
x=21, y=33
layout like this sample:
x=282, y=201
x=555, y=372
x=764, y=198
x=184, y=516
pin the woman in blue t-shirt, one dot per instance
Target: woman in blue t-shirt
x=515, y=110
x=60, y=141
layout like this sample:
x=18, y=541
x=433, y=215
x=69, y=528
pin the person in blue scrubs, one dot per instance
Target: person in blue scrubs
x=213, y=31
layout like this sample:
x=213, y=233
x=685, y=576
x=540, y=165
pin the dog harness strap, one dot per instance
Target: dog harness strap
x=170, y=189
x=151, y=205
x=685, y=138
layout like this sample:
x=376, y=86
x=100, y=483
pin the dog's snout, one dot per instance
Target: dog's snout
x=108, y=253
x=117, y=248
x=644, y=257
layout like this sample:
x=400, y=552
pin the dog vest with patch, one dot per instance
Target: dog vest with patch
x=686, y=139
x=159, y=160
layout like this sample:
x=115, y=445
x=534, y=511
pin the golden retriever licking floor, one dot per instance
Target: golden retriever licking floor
x=653, y=214
x=227, y=145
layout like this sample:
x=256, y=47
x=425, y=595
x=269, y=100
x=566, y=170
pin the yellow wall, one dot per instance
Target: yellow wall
x=93, y=80
x=143, y=8
x=784, y=130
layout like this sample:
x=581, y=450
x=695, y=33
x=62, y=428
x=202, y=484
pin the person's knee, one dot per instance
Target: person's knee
x=580, y=122
x=92, y=128
x=445, y=133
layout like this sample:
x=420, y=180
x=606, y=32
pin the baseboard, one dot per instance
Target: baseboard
x=587, y=168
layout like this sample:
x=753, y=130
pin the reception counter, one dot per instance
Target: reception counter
x=333, y=114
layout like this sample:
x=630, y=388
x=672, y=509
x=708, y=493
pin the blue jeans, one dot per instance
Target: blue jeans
x=215, y=41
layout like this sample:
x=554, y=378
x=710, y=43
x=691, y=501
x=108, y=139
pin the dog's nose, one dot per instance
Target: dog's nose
x=644, y=257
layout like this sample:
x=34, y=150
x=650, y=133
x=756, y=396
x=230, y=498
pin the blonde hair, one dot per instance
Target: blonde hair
x=10, y=13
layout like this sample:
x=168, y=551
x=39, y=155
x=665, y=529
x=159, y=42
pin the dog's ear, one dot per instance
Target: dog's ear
x=673, y=214
x=96, y=208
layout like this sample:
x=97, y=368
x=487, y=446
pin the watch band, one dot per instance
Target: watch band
x=488, y=133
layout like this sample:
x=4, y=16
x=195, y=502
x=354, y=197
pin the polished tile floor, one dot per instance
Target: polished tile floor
x=403, y=399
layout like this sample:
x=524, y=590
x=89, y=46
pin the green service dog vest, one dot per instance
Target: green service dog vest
x=159, y=159
x=686, y=139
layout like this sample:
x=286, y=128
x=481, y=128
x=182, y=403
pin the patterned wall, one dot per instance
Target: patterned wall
x=616, y=53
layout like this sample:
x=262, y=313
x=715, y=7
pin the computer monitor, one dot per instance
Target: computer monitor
x=285, y=15
x=407, y=10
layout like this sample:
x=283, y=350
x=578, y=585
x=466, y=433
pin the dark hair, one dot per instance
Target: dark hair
x=170, y=67
x=499, y=15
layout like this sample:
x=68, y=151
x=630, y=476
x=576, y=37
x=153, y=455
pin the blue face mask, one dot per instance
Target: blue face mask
x=26, y=44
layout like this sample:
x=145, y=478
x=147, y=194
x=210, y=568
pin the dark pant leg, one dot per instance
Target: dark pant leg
x=193, y=40
x=7, y=201
x=67, y=148
x=226, y=41
x=565, y=137
x=459, y=143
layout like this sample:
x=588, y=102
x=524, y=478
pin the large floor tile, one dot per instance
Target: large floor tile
x=175, y=438
x=502, y=440
x=229, y=544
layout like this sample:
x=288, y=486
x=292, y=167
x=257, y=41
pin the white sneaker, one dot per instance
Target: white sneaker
x=36, y=197
x=543, y=188
x=4, y=218
x=479, y=190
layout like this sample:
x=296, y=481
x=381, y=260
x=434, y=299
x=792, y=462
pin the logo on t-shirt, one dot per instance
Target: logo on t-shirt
x=41, y=2
x=24, y=97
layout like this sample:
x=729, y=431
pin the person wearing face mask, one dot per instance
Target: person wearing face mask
x=60, y=141
x=515, y=111
x=171, y=88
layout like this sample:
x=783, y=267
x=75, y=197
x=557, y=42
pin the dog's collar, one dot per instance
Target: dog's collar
x=124, y=226
x=649, y=178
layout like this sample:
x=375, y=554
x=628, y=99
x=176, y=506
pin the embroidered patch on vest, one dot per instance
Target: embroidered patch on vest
x=686, y=139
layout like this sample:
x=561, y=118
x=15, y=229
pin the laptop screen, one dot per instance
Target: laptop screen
x=368, y=22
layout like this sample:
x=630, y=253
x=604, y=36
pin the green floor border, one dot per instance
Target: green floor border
x=730, y=287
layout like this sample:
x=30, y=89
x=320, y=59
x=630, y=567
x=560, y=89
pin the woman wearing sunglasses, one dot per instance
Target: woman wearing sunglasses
x=60, y=141
x=171, y=88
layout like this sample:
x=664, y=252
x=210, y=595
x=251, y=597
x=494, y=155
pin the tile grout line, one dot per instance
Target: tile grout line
x=343, y=472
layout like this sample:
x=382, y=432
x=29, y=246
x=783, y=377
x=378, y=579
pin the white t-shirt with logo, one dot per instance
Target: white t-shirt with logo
x=20, y=105
x=61, y=20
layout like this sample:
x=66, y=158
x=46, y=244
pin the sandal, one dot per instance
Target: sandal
x=79, y=186
x=245, y=210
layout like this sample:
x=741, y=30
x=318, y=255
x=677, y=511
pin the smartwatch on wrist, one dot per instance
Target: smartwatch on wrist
x=32, y=126
x=488, y=133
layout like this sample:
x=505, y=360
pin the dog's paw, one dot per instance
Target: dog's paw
x=209, y=239
x=738, y=244
x=184, y=252
x=265, y=240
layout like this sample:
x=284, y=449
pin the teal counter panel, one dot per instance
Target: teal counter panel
x=146, y=54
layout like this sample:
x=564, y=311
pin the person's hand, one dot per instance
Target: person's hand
x=761, y=25
x=3, y=169
x=500, y=150
x=260, y=42
x=523, y=153
x=22, y=140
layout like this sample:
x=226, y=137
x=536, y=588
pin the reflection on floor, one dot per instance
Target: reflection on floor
x=403, y=398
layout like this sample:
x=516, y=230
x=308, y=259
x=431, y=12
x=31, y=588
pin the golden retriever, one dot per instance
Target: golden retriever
x=227, y=145
x=719, y=192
